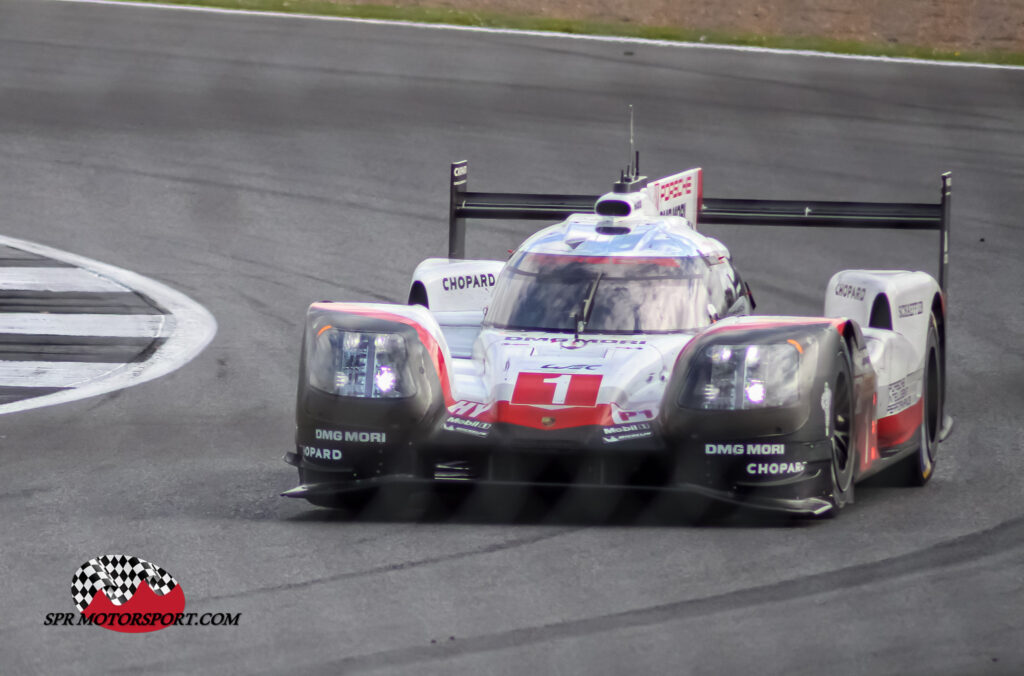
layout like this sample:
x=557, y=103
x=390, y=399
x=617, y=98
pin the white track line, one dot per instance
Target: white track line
x=56, y=279
x=193, y=329
x=560, y=36
x=107, y=326
x=53, y=373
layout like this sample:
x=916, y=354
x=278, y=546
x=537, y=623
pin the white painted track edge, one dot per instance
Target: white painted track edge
x=557, y=35
x=93, y=325
x=74, y=280
x=55, y=373
x=191, y=329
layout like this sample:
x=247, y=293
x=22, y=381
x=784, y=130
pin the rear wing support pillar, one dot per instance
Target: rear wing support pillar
x=947, y=198
x=456, y=223
x=463, y=204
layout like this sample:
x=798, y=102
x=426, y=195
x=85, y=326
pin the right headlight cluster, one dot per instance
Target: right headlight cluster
x=360, y=364
x=738, y=377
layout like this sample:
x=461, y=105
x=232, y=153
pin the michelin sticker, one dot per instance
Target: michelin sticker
x=617, y=433
x=475, y=428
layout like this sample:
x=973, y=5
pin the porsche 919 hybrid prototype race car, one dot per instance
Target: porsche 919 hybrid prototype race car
x=617, y=350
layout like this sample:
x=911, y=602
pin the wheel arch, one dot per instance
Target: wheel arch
x=418, y=295
x=881, y=313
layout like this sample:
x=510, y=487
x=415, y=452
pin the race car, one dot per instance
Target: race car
x=616, y=350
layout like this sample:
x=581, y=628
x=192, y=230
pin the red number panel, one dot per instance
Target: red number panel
x=569, y=389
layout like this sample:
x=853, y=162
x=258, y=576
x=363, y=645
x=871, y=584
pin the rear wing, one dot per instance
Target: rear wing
x=465, y=205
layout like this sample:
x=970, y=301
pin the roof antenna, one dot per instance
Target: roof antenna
x=632, y=144
x=630, y=179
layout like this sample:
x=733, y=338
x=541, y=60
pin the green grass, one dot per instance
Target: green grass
x=580, y=27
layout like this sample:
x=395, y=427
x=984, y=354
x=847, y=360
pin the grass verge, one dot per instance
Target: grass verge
x=583, y=27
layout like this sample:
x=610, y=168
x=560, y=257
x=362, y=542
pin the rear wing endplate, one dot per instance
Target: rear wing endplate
x=714, y=211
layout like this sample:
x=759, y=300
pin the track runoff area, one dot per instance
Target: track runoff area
x=553, y=34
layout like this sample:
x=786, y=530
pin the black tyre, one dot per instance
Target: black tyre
x=917, y=469
x=840, y=432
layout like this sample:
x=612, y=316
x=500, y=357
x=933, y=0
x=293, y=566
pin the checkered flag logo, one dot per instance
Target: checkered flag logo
x=118, y=576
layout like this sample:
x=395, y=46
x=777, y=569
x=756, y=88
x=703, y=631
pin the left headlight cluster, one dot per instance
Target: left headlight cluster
x=737, y=377
x=360, y=364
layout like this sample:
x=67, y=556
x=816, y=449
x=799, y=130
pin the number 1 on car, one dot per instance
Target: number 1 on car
x=566, y=389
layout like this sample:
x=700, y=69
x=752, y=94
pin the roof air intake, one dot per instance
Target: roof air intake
x=613, y=207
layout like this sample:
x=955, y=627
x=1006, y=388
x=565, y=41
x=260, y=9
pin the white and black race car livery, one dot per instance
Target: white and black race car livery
x=617, y=349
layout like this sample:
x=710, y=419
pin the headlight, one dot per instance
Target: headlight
x=731, y=377
x=359, y=364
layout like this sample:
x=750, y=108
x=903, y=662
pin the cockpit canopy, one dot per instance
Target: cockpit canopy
x=626, y=294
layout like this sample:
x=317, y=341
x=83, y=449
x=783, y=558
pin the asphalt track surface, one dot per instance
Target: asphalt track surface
x=258, y=164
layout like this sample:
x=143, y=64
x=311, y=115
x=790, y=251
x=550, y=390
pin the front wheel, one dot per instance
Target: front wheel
x=840, y=425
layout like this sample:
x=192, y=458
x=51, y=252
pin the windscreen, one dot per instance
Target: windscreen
x=549, y=292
